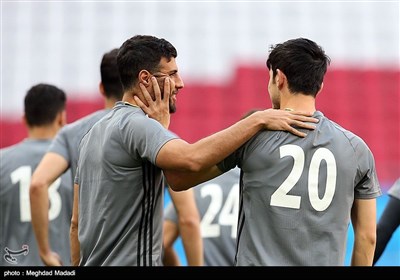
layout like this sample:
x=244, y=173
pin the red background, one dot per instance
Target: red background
x=366, y=102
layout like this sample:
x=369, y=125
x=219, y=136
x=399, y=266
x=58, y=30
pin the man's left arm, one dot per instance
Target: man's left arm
x=189, y=225
x=75, y=246
x=363, y=218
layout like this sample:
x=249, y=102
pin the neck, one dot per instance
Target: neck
x=109, y=103
x=128, y=97
x=298, y=102
x=43, y=132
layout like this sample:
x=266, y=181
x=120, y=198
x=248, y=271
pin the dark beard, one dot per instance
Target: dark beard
x=172, y=108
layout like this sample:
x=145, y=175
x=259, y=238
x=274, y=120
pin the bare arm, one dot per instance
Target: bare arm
x=184, y=180
x=181, y=156
x=75, y=246
x=363, y=218
x=171, y=233
x=49, y=169
x=189, y=226
x=177, y=154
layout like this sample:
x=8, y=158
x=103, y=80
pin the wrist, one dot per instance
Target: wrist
x=256, y=120
x=44, y=251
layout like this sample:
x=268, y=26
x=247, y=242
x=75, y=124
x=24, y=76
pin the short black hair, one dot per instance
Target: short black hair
x=142, y=52
x=302, y=61
x=110, y=75
x=42, y=104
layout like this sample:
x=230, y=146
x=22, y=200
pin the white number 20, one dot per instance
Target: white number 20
x=281, y=197
x=22, y=175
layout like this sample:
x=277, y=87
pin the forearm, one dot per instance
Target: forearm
x=213, y=149
x=170, y=257
x=180, y=181
x=73, y=234
x=192, y=243
x=39, y=199
x=363, y=217
x=75, y=246
x=363, y=251
x=181, y=156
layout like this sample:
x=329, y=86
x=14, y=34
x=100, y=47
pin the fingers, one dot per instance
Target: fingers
x=141, y=104
x=301, y=113
x=296, y=132
x=304, y=118
x=146, y=94
x=156, y=88
x=303, y=125
x=167, y=88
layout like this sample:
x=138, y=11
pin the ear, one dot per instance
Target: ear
x=101, y=89
x=280, y=78
x=62, y=118
x=24, y=121
x=144, y=77
x=321, y=87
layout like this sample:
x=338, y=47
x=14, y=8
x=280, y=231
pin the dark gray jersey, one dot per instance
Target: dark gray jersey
x=66, y=142
x=121, y=189
x=297, y=194
x=395, y=189
x=17, y=241
x=218, y=203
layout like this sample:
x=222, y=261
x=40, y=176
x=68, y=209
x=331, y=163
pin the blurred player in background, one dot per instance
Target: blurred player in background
x=44, y=116
x=298, y=194
x=389, y=221
x=63, y=155
x=218, y=204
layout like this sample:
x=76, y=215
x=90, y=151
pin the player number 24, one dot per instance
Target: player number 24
x=281, y=198
x=224, y=212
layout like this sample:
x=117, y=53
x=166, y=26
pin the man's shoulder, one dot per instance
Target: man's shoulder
x=87, y=120
x=351, y=136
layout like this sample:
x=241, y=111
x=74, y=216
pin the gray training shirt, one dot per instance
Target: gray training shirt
x=121, y=190
x=297, y=194
x=218, y=203
x=66, y=143
x=17, y=240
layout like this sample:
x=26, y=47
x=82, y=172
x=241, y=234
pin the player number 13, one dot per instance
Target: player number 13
x=22, y=175
x=281, y=198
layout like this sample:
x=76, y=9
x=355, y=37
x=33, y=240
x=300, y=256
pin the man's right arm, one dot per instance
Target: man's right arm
x=181, y=156
x=49, y=169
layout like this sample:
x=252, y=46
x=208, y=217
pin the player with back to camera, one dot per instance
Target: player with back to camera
x=44, y=115
x=298, y=195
